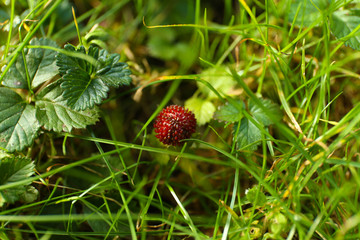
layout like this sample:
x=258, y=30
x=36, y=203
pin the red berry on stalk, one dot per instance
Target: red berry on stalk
x=174, y=123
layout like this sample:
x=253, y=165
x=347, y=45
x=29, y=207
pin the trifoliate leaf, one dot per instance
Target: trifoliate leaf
x=86, y=83
x=230, y=112
x=12, y=170
x=18, y=124
x=248, y=134
x=40, y=64
x=203, y=109
x=343, y=23
x=219, y=78
x=54, y=114
x=258, y=113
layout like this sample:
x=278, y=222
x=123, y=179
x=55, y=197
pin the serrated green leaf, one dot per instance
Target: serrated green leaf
x=230, y=112
x=18, y=124
x=117, y=75
x=81, y=91
x=86, y=84
x=65, y=62
x=54, y=114
x=247, y=134
x=12, y=170
x=40, y=63
x=111, y=71
x=203, y=109
x=107, y=59
x=343, y=23
x=259, y=114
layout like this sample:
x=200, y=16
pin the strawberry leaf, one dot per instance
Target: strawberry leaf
x=54, y=114
x=274, y=113
x=14, y=169
x=117, y=75
x=40, y=64
x=111, y=71
x=82, y=91
x=65, y=62
x=87, y=83
x=248, y=134
x=230, y=112
x=18, y=124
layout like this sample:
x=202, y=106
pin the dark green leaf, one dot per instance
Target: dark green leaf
x=40, y=63
x=18, y=124
x=81, y=91
x=117, y=75
x=273, y=112
x=65, y=62
x=86, y=84
x=111, y=71
x=343, y=23
x=230, y=112
x=248, y=134
x=54, y=114
x=105, y=59
x=12, y=170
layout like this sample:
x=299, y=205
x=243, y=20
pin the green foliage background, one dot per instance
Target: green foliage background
x=274, y=86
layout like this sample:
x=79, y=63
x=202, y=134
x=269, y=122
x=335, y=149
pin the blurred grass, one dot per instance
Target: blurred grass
x=120, y=183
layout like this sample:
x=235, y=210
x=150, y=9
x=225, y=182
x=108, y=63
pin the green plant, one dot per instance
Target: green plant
x=56, y=105
x=272, y=84
x=343, y=22
x=51, y=103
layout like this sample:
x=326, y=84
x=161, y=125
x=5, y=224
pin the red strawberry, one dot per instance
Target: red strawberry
x=174, y=123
